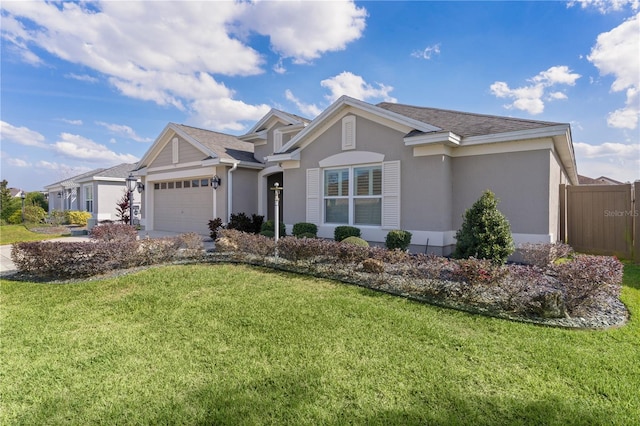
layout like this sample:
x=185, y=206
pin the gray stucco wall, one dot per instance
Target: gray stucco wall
x=186, y=153
x=245, y=191
x=519, y=179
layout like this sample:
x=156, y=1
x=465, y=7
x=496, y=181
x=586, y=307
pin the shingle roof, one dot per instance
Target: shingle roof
x=119, y=171
x=225, y=146
x=465, y=124
x=72, y=182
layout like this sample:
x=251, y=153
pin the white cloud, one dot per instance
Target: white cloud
x=21, y=135
x=84, y=77
x=305, y=30
x=72, y=122
x=427, y=52
x=349, y=84
x=121, y=40
x=612, y=159
x=616, y=53
x=605, y=6
x=529, y=98
x=17, y=162
x=79, y=147
x=309, y=110
x=123, y=130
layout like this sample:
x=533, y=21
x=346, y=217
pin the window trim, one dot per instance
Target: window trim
x=351, y=195
x=88, y=197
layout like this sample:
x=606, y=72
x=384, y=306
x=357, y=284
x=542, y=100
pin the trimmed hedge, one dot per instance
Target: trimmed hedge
x=343, y=231
x=305, y=229
x=398, y=239
x=356, y=241
x=269, y=225
x=77, y=217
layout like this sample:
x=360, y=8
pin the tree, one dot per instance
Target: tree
x=8, y=204
x=122, y=208
x=37, y=199
x=485, y=232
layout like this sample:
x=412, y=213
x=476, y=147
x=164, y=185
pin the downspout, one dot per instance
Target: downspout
x=230, y=189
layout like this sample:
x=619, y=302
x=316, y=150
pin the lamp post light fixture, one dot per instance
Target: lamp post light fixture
x=216, y=181
x=23, y=196
x=132, y=183
x=276, y=188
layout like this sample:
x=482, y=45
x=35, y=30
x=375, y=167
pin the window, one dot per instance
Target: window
x=204, y=182
x=179, y=185
x=195, y=183
x=170, y=185
x=353, y=195
x=187, y=184
x=88, y=198
x=156, y=186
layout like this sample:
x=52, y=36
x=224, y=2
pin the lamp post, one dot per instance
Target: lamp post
x=132, y=183
x=23, y=196
x=276, y=188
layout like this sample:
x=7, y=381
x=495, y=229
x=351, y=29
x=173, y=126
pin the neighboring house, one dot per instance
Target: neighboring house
x=376, y=167
x=602, y=180
x=16, y=192
x=96, y=192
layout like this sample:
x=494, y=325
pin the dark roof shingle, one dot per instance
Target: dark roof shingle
x=225, y=146
x=464, y=124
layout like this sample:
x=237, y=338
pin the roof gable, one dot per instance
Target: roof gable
x=270, y=119
x=347, y=104
x=213, y=145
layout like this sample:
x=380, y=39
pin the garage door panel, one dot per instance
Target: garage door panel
x=183, y=210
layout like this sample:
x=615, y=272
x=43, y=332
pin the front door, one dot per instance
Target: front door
x=271, y=199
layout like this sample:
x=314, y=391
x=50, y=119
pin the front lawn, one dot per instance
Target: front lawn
x=225, y=344
x=10, y=234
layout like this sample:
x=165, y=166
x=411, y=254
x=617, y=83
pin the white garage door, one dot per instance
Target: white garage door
x=183, y=206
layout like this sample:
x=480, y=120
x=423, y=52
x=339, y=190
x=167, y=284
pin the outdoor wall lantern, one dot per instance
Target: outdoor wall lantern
x=59, y=194
x=216, y=181
x=132, y=183
x=140, y=187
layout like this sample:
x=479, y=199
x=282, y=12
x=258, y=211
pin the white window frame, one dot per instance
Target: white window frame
x=351, y=197
x=88, y=198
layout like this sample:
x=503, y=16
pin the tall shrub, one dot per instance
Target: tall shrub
x=485, y=232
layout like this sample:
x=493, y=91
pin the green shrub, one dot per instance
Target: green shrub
x=398, y=239
x=304, y=229
x=240, y=222
x=356, y=241
x=485, y=232
x=77, y=217
x=373, y=266
x=344, y=231
x=267, y=233
x=269, y=225
x=15, y=218
x=34, y=214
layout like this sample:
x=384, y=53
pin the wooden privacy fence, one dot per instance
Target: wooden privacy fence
x=601, y=219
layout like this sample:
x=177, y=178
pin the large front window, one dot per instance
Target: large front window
x=353, y=195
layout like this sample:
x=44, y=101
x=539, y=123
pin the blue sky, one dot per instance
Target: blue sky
x=89, y=85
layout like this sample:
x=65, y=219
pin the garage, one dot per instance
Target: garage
x=183, y=206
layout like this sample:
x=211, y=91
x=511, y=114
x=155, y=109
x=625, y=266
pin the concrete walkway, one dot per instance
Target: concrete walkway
x=7, y=267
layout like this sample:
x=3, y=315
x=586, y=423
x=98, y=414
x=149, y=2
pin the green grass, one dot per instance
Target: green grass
x=224, y=344
x=10, y=234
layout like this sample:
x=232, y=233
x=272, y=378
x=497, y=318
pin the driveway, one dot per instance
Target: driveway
x=7, y=267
